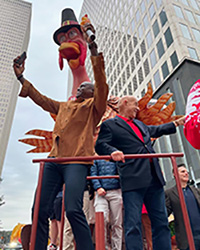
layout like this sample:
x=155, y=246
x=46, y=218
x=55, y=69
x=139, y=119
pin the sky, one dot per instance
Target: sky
x=19, y=173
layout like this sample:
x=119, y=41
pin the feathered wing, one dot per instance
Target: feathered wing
x=41, y=145
x=150, y=114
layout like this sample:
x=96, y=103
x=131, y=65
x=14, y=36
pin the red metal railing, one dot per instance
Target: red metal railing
x=100, y=242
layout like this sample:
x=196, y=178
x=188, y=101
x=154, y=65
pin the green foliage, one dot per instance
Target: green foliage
x=172, y=228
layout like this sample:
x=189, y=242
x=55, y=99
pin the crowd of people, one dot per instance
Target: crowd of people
x=141, y=180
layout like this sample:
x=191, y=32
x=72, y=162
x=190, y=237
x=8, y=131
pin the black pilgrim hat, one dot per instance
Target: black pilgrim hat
x=68, y=21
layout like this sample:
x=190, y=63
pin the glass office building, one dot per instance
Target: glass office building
x=153, y=41
x=15, y=17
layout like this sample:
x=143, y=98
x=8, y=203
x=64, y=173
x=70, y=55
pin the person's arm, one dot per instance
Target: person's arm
x=163, y=129
x=28, y=90
x=166, y=128
x=100, y=87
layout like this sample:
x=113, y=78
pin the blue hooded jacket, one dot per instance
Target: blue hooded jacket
x=100, y=168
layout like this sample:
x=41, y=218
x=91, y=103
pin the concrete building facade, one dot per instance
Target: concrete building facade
x=153, y=41
x=15, y=17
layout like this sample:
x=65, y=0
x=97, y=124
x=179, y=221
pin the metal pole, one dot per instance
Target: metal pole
x=62, y=219
x=183, y=205
x=36, y=207
x=107, y=157
x=99, y=231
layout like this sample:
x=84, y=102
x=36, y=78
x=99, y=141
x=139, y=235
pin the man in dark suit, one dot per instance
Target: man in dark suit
x=192, y=199
x=141, y=179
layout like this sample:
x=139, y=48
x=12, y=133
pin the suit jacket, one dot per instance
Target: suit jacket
x=76, y=120
x=116, y=134
x=173, y=206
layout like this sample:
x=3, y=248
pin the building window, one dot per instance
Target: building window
x=140, y=31
x=185, y=2
x=115, y=75
x=198, y=18
x=137, y=16
x=137, y=56
x=123, y=78
x=194, y=4
x=135, y=86
x=178, y=11
x=157, y=80
x=146, y=67
x=120, y=48
x=149, y=38
x=151, y=11
x=185, y=31
x=165, y=70
x=130, y=46
x=133, y=25
x=125, y=92
x=163, y=17
x=130, y=91
x=160, y=48
x=168, y=37
x=135, y=40
x=118, y=69
x=158, y=3
x=122, y=62
x=153, y=58
x=117, y=54
x=196, y=34
x=114, y=61
x=143, y=93
x=111, y=81
x=143, y=48
x=190, y=16
x=128, y=71
x=120, y=84
x=142, y=7
x=193, y=53
x=140, y=75
x=126, y=55
x=174, y=59
x=156, y=29
x=124, y=40
x=145, y=22
x=132, y=64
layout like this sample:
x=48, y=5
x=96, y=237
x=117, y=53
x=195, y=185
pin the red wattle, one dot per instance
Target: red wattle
x=60, y=61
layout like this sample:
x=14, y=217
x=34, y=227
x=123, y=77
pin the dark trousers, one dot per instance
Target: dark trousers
x=74, y=177
x=154, y=199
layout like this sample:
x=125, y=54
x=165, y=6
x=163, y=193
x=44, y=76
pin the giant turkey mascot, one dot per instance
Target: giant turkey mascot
x=192, y=120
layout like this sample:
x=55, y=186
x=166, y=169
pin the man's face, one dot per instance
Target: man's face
x=86, y=90
x=183, y=174
x=131, y=107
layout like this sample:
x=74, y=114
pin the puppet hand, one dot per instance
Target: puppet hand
x=85, y=28
x=18, y=69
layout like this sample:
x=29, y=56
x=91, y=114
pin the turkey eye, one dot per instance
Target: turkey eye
x=72, y=34
x=62, y=39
